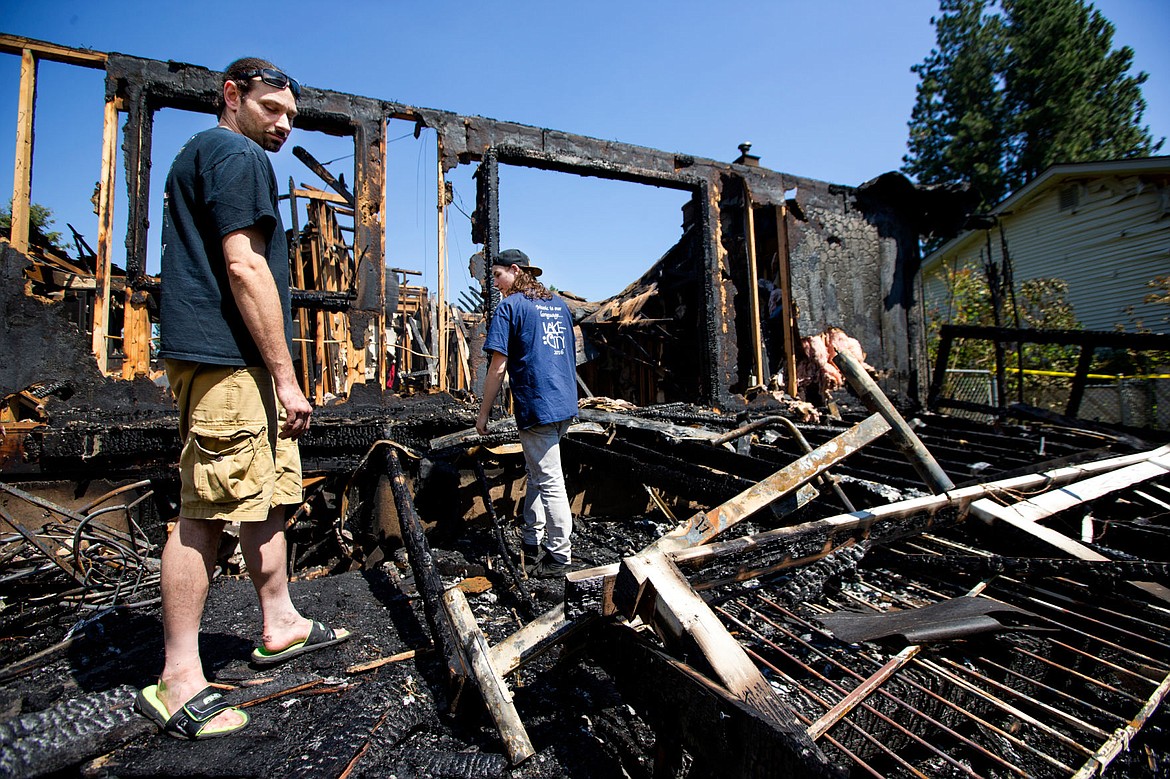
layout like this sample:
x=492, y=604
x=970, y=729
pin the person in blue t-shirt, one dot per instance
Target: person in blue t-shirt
x=531, y=339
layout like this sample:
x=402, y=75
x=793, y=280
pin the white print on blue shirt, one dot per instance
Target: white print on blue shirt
x=554, y=331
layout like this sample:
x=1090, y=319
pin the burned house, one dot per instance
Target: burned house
x=784, y=575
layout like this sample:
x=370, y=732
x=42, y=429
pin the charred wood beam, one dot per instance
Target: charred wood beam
x=426, y=572
x=323, y=173
x=566, y=153
x=369, y=140
x=717, y=314
x=706, y=525
x=719, y=730
x=67, y=733
x=136, y=142
x=1108, y=572
x=196, y=88
x=909, y=443
x=505, y=555
x=322, y=300
x=485, y=229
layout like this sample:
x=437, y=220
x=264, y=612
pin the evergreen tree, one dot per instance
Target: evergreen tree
x=956, y=129
x=1067, y=90
x=1012, y=90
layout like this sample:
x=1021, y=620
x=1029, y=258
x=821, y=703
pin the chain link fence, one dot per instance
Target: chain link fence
x=1129, y=402
x=972, y=386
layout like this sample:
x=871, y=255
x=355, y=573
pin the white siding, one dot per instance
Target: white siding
x=1106, y=249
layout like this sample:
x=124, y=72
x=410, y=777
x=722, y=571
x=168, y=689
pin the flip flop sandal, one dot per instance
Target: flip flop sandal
x=319, y=637
x=193, y=720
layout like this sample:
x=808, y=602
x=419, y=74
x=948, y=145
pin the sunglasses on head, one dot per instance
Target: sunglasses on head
x=273, y=78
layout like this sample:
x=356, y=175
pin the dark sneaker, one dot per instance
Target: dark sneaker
x=533, y=553
x=549, y=568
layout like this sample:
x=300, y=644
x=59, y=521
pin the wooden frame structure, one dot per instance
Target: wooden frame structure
x=137, y=88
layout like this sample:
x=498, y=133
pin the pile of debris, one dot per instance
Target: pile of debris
x=830, y=603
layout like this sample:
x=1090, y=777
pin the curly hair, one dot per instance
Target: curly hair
x=527, y=285
x=233, y=73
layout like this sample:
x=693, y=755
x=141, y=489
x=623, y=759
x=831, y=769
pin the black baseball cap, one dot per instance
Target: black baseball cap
x=517, y=258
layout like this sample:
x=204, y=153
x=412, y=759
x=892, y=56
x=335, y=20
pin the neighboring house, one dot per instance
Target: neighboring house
x=1102, y=227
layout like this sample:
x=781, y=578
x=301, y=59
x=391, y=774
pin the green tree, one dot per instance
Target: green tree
x=1011, y=90
x=40, y=219
x=1042, y=304
x=956, y=126
x=1068, y=90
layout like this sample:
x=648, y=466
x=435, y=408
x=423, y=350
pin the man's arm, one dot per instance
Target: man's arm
x=256, y=297
x=491, y=388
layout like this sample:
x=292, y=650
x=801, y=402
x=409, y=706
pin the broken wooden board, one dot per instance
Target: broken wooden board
x=651, y=587
x=706, y=525
x=491, y=684
x=540, y=634
x=1026, y=515
x=904, y=437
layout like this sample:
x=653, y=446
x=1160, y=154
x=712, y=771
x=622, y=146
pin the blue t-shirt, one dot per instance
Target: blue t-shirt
x=220, y=182
x=537, y=338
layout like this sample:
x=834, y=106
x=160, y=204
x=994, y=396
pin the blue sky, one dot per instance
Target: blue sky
x=822, y=89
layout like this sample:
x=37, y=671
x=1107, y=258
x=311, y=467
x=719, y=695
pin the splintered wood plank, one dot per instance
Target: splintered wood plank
x=650, y=586
x=706, y=525
x=105, y=242
x=492, y=687
x=26, y=104
x=540, y=634
x=1026, y=515
x=901, y=433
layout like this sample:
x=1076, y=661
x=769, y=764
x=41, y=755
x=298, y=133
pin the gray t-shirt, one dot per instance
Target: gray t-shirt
x=220, y=182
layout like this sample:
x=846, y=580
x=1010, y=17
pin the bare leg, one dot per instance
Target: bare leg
x=266, y=555
x=186, y=576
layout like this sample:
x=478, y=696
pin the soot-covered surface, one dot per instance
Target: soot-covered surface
x=313, y=717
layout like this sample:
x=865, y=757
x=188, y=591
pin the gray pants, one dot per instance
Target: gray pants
x=547, y=518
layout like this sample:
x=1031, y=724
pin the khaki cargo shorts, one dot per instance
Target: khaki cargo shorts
x=233, y=465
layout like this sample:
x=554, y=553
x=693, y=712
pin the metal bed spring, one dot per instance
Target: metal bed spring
x=1060, y=696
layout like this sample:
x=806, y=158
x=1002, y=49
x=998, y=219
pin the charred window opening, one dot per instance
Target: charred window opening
x=639, y=327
